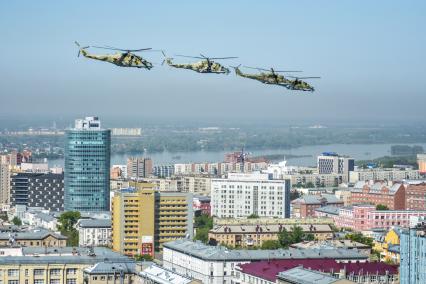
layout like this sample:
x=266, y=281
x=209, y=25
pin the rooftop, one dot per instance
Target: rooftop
x=111, y=267
x=333, y=210
x=162, y=275
x=274, y=228
x=305, y=276
x=270, y=269
x=64, y=256
x=35, y=234
x=219, y=253
x=94, y=223
x=348, y=244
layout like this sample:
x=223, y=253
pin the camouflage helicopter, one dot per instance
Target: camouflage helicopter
x=268, y=76
x=126, y=58
x=298, y=85
x=206, y=65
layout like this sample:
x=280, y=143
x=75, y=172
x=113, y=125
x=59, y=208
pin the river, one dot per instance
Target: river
x=357, y=151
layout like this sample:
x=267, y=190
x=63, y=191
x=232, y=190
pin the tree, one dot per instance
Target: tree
x=271, y=244
x=253, y=216
x=67, y=221
x=295, y=235
x=310, y=185
x=381, y=207
x=294, y=194
x=143, y=257
x=203, y=224
x=16, y=221
x=360, y=238
x=202, y=234
x=309, y=237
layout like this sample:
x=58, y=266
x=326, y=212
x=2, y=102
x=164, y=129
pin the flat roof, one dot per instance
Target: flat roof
x=218, y=253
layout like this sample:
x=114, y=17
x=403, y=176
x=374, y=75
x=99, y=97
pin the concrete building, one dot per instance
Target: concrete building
x=384, y=193
x=94, y=232
x=329, y=162
x=390, y=174
x=87, y=166
x=33, y=238
x=139, y=167
x=58, y=265
x=305, y=206
x=143, y=219
x=215, y=264
x=413, y=255
x=317, y=180
x=165, y=184
x=126, y=131
x=39, y=218
x=241, y=195
x=343, y=244
x=44, y=190
x=421, y=161
x=201, y=204
x=195, y=184
x=163, y=171
x=247, y=236
x=4, y=181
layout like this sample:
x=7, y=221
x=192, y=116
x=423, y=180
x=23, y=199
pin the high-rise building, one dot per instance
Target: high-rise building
x=4, y=180
x=163, y=171
x=139, y=167
x=143, y=218
x=332, y=163
x=45, y=190
x=413, y=254
x=244, y=194
x=87, y=166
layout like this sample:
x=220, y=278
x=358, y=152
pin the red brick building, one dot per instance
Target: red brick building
x=305, y=206
x=391, y=195
x=415, y=196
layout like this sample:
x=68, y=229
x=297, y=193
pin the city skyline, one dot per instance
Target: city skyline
x=368, y=55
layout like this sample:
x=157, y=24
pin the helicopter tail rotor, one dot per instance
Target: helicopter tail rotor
x=80, y=48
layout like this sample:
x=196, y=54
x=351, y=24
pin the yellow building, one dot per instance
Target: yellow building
x=254, y=235
x=143, y=218
x=388, y=246
x=33, y=238
x=54, y=265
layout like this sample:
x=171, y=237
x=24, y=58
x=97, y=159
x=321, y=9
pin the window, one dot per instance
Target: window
x=13, y=282
x=38, y=272
x=71, y=271
x=71, y=281
x=55, y=272
x=55, y=281
x=39, y=281
x=12, y=272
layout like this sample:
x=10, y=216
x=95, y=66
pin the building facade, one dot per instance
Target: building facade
x=329, y=162
x=4, y=181
x=44, y=190
x=139, y=167
x=163, y=171
x=384, y=193
x=413, y=255
x=247, y=236
x=383, y=174
x=94, y=232
x=421, y=161
x=415, y=195
x=143, y=219
x=305, y=206
x=87, y=166
x=241, y=195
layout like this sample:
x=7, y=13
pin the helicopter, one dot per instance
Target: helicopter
x=266, y=76
x=126, y=58
x=298, y=85
x=206, y=65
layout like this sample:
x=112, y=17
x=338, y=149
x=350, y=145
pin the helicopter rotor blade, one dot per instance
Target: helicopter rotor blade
x=120, y=49
x=230, y=57
x=304, y=77
x=180, y=55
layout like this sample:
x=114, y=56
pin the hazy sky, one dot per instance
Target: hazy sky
x=370, y=54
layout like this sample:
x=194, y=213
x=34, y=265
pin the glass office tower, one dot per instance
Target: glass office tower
x=87, y=166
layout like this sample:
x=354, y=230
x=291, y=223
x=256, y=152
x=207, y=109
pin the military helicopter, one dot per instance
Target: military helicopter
x=126, y=58
x=266, y=76
x=206, y=65
x=298, y=85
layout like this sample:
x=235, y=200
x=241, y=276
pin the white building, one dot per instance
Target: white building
x=332, y=163
x=216, y=264
x=94, y=232
x=389, y=174
x=40, y=218
x=244, y=194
